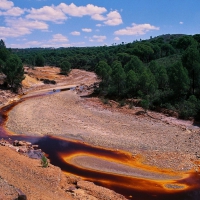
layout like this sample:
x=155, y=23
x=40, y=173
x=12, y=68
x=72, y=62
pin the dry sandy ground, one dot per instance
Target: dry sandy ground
x=66, y=114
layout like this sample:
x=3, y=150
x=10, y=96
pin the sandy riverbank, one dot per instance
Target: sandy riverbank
x=66, y=114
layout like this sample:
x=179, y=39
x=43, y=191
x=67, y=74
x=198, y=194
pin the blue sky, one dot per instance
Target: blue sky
x=65, y=23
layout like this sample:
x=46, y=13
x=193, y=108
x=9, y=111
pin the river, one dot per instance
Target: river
x=132, y=187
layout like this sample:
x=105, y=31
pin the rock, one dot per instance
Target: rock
x=71, y=189
x=99, y=192
x=22, y=150
x=35, y=146
x=23, y=143
x=21, y=195
x=15, y=143
x=72, y=179
x=35, y=154
x=81, y=194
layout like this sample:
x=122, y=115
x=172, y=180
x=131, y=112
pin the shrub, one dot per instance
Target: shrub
x=44, y=161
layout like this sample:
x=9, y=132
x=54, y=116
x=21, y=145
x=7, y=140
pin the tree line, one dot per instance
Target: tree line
x=163, y=71
x=11, y=66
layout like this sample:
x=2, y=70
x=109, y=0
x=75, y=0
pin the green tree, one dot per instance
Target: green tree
x=4, y=53
x=131, y=83
x=39, y=60
x=103, y=70
x=134, y=64
x=124, y=58
x=2, y=44
x=160, y=73
x=147, y=83
x=178, y=79
x=118, y=77
x=65, y=67
x=143, y=51
x=167, y=49
x=185, y=41
x=14, y=72
x=191, y=60
x=189, y=108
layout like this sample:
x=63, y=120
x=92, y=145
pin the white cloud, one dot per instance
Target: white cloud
x=98, y=38
x=98, y=17
x=47, y=13
x=15, y=11
x=6, y=32
x=58, y=38
x=113, y=19
x=22, y=27
x=88, y=30
x=24, y=23
x=75, y=33
x=181, y=23
x=136, y=29
x=6, y=5
x=80, y=11
x=99, y=25
x=116, y=38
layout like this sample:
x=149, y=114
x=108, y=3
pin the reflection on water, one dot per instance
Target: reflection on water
x=58, y=149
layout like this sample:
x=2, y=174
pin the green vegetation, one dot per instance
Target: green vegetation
x=162, y=72
x=11, y=66
x=65, y=67
x=44, y=161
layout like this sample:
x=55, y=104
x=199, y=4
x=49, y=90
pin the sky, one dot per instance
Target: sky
x=83, y=23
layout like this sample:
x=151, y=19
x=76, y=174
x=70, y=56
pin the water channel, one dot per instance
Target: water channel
x=133, y=187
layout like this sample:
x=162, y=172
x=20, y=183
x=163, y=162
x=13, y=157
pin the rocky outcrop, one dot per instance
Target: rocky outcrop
x=98, y=192
x=24, y=147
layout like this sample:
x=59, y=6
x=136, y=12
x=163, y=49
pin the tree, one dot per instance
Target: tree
x=134, y=64
x=124, y=58
x=118, y=76
x=167, y=49
x=131, y=82
x=143, y=51
x=160, y=73
x=14, y=72
x=103, y=70
x=185, y=41
x=189, y=108
x=2, y=44
x=39, y=60
x=147, y=83
x=191, y=60
x=178, y=79
x=4, y=53
x=65, y=67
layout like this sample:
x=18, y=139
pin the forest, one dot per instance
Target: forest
x=163, y=72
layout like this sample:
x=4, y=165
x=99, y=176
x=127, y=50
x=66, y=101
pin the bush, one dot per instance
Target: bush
x=121, y=103
x=188, y=108
x=104, y=100
x=44, y=161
